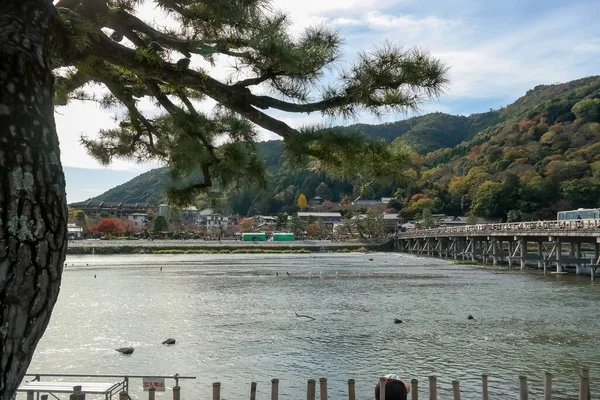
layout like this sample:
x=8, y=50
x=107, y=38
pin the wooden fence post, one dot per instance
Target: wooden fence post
x=44, y=397
x=414, y=388
x=584, y=384
x=323, y=388
x=77, y=394
x=456, y=390
x=151, y=393
x=253, y=391
x=176, y=393
x=123, y=396
x=547, y=386
x=432, y=388
x=351, y=390
x=274, y=389
x=382, y=384
x=217, y=391
x=30, y=395
x=524, y=393
x=484, y=387
x=311, y=390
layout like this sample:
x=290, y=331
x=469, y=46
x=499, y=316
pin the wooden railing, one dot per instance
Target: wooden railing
x=414, y=394
x=583, y=225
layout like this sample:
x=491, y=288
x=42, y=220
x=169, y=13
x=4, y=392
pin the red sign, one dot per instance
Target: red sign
x=156, y=383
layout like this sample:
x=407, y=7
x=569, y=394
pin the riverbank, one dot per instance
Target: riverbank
x=81, y=247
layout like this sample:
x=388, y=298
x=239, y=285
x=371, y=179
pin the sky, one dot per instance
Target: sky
x=495, y=51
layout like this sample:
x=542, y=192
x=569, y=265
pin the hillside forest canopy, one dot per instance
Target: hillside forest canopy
x=55, y=52
x=530, y=159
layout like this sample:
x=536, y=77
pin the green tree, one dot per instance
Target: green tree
x=427, y=218
x=82, y=221
x=582, y=193
x=514, y=216
x=588, y=110
x=282, y=221
x=296, y=225
x=84, y=42
x=472, y=219
x=160, y=224
x=489, y=200
x=302, y=203
x=104, y=214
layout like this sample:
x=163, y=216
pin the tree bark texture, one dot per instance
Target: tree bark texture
x=33, y=213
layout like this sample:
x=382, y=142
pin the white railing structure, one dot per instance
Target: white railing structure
x=589, y=226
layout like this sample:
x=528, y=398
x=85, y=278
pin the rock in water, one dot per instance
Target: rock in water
x=169, y=341
x=470, y=317
x=125, y=350
x=397, y=321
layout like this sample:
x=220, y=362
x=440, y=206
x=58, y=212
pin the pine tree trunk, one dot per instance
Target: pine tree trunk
x=33, y=210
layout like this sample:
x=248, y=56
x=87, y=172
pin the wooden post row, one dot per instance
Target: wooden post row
x=253, y=391
x=432, y=388
x=78, y=394
x=217, y=391
x=484, y=387
x=456, y=390
x=311, y=390
x=274, y=389
x=547, y=386
x=523, y=392
x=323, y=388
x=414, y=388
x=351, y=390
x=584, y=384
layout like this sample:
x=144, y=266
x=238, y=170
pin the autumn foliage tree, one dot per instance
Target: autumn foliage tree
x=109, y=226
x=302, y=203
x=103, y=42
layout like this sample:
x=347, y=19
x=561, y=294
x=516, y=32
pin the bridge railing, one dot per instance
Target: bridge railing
x=575, y=225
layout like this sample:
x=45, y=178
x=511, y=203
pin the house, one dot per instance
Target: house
x=210, y=219
x=327, y=219
x=386, y=200
x=187, y=215
x=392, y=221
x=93, y=208
x=139, y=219
x=263, y=219
x=315, y=201
x=366, y=203
x=74, y=231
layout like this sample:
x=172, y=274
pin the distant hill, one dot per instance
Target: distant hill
x=423, y=133
x=528, y=159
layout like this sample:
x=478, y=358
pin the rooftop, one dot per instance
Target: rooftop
x=320, y=214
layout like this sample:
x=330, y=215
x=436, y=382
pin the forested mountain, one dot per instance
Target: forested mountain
x=528, y=160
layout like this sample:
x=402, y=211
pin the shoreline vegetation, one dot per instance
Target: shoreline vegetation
x=225, y=247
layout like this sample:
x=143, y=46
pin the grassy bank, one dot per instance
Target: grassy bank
x=215, y=249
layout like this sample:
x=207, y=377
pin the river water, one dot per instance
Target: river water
x=235, y=322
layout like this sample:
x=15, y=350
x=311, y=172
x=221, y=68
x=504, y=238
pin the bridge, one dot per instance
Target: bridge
x=564, y=245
